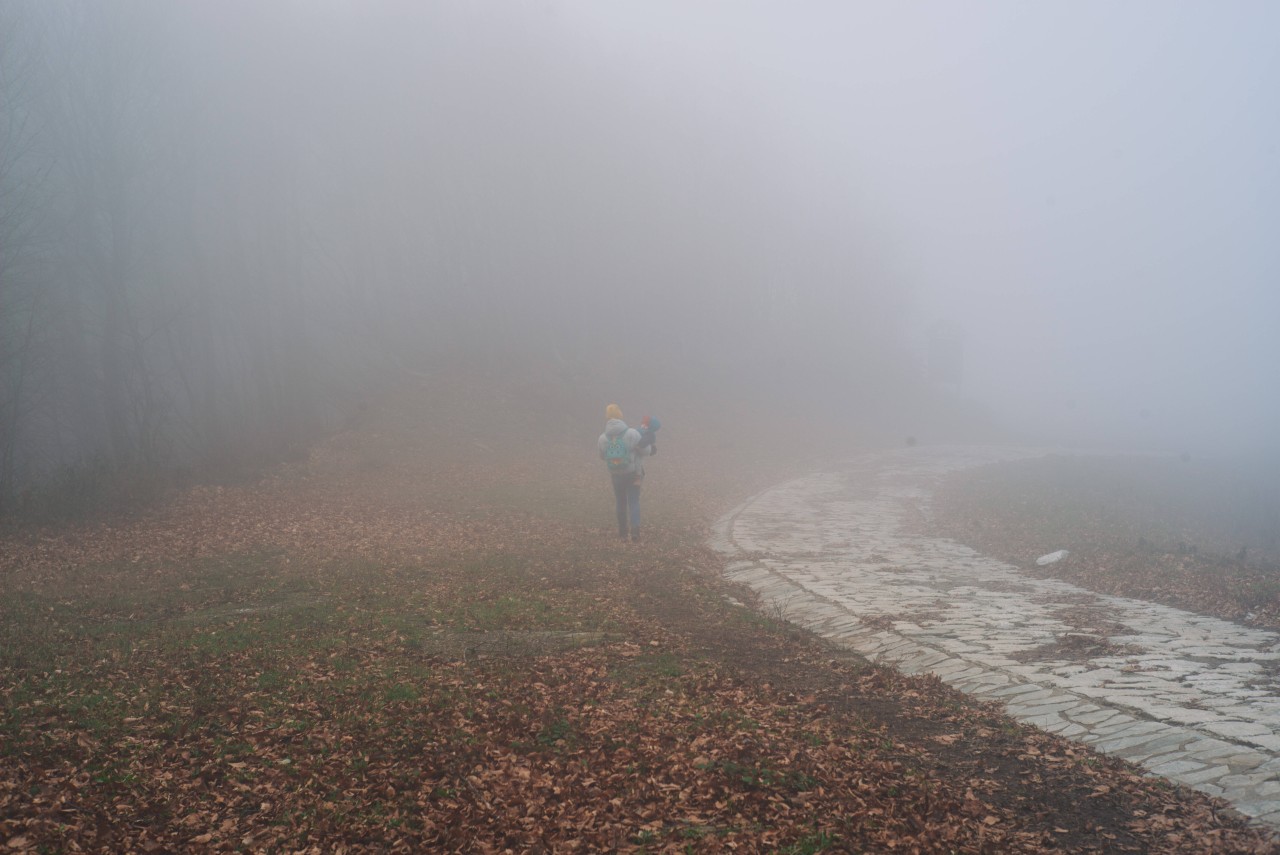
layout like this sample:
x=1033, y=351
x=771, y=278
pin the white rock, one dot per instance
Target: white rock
x=1052, y=557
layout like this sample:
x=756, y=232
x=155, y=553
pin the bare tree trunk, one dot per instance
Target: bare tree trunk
x=13, y=418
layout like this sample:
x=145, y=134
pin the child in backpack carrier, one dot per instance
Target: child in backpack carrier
x=649, y=434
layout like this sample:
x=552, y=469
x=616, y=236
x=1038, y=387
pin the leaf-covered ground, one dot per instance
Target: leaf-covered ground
x=1201, y=535
x=427, y=637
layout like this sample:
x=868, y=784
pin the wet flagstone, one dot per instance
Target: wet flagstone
x=834, y=552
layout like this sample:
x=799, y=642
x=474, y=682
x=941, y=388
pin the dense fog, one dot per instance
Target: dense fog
x=223, y=224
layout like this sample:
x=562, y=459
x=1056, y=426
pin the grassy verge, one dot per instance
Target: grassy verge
x=1197, y=535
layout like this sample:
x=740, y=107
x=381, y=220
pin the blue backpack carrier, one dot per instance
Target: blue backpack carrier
x=617, y=456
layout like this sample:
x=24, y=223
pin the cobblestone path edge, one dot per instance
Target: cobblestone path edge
x=779, y=544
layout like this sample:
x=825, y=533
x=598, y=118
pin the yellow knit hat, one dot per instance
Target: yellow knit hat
x=613, y=411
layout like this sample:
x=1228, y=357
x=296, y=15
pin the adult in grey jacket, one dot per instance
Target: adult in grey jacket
x=627, y=481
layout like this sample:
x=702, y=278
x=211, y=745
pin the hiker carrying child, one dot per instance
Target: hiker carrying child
x=623, y=450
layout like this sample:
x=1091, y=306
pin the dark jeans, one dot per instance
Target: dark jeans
x=626, y=495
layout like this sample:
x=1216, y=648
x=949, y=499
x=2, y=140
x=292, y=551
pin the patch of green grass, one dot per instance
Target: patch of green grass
x=400, y=692
x=540, y=498
x=664, y=665
x=725, y=718
x=505, y=611
x=271, y=681
x=1258, y=592
x=111, y=774
x=96, y=711
x=758, y=622
x=818, y=841
x=212, y=609
x=558, y=731
x=660, y=669
x=762, y=776
x=195, y=586
x=233, y=749
x=814, y=740
x=227, y=641
x=497, y=592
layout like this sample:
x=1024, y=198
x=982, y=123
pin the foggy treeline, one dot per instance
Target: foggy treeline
x=224, y=225
x=221, y=222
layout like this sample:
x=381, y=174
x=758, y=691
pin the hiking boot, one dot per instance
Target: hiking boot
x=635, y=535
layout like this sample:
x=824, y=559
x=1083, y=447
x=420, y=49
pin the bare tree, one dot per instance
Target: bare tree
x=101, y=108
x=22, y=175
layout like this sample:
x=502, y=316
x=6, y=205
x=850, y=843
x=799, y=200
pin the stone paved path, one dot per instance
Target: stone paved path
x=1194, y=699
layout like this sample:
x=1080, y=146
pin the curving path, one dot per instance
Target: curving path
x=1194, y=699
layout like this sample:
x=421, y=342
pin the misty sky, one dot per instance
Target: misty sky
x=225, y=222
x=1090, y=190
